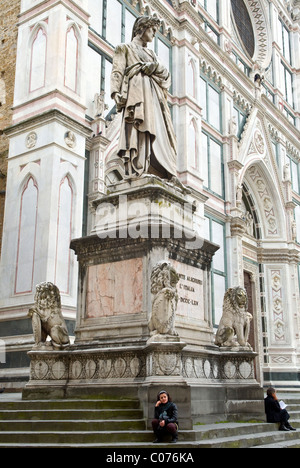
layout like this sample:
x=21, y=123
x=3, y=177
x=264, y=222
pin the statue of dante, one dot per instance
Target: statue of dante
x=139, y=86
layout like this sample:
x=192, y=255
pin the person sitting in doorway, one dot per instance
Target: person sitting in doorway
x=165, y=418
x=275, y=414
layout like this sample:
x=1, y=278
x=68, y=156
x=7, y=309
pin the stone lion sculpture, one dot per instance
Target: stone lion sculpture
x=164, y=279
x=235, y=320
x=47, y=319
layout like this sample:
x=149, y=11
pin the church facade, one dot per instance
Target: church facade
x=235, y=105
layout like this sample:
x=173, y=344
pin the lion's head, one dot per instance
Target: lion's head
x=47, y=296
x=240, y=297
x=163, y=276
x=236, y=298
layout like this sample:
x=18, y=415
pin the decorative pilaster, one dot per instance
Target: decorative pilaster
x=45, y=179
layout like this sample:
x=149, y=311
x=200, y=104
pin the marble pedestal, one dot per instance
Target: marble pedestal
x=137, y=226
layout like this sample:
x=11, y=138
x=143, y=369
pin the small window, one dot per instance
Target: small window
x=215, y=232
x=212, y=7
x=285, y=41
x=212, y=165
x=210, y=103
x=294, y=175
x=241, y=64
x=240, y=118
x=288, y=84
x=297, y=219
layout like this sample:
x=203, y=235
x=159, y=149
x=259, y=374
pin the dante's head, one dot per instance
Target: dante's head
x=143, y=24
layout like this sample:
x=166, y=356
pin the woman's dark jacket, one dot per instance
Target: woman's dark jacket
x=168, y=412
x=273, y=410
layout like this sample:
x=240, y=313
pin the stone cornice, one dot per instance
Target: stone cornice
x=272, y=255
x=92, y=250
x=46, y=117
x=277, y=120
x=48, y=95
x=150, y=192
x=164, y=10
x=44, y=6
x=239, y=80
x=278, y=255
x=235, y=165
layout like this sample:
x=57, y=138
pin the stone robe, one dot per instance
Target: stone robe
x=147, y=141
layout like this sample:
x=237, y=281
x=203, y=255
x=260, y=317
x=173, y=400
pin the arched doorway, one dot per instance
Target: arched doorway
x=265, y=252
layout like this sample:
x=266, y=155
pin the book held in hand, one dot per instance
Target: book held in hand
x=282, y=404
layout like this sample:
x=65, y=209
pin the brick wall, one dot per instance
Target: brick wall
x=8, y=49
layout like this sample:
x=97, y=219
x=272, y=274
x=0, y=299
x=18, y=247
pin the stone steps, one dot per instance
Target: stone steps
x=243, y=435
x=120, y=424
x=72, y=426
x=73, y=415
x=285, y=444
x=25, y=423
x=251, y=440
x=18, y=404
x=272, y=439
x=80, y=438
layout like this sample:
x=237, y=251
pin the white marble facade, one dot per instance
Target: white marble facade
x=236, y=117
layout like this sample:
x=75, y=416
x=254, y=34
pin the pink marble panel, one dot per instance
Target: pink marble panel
x=115, y=289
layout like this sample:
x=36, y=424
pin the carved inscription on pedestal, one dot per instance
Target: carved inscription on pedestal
x=190, y=291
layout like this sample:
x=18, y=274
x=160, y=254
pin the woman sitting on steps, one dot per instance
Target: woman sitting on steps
x=166, y=418
x=275, y=414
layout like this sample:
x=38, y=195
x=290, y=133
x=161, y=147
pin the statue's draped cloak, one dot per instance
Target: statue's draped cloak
x=147, y=138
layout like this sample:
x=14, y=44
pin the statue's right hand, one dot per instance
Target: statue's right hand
x=118, y=98
x=149, y=68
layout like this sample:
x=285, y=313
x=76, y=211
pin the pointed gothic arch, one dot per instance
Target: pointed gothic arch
x=27, y=229
x=72, y=57
x=38, y=56
x=251, y=208
x=64, y=231
x=193, y=143
x=267, y=200
x=192, y=78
